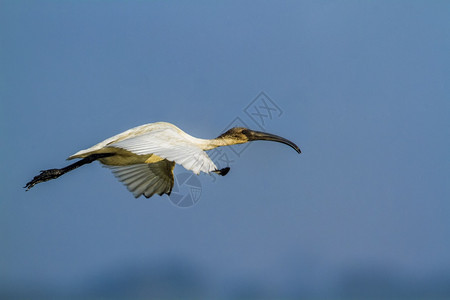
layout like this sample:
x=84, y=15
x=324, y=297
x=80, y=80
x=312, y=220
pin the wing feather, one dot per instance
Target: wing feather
x=146, y=179
x=171, y=145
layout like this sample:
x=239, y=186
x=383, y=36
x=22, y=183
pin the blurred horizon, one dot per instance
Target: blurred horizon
x=361, y=87
x=173, y=277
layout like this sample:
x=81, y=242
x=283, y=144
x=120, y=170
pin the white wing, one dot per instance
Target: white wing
x=146, y=179
x=170, y=144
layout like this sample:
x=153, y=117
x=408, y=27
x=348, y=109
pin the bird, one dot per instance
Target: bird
x=143, y=158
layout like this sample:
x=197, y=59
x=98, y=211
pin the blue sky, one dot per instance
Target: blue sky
x=363, y=89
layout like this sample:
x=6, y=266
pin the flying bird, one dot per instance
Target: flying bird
x=143, y=158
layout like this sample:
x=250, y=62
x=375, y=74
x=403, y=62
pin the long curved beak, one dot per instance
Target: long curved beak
x=264, y=136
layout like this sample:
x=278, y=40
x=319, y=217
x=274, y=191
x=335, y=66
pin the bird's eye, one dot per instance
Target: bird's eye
x=245, y=131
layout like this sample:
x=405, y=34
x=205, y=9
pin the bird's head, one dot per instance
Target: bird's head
x=240, y=135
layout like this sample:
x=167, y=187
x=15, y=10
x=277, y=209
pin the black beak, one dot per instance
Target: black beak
x=263, y=136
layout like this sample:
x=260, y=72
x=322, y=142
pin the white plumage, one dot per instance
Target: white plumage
x=161, y=142
x=146, y=179
x=170, y=144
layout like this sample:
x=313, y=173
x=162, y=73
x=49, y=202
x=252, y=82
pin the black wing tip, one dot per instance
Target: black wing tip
x=222, y=172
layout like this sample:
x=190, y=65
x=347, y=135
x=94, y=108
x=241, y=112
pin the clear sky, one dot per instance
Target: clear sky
x=362, y=87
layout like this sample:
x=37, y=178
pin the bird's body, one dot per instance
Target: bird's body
x=144, y=157
x=141, y=145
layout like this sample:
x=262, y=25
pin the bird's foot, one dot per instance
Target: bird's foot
x=223, y=171
x=45, y=175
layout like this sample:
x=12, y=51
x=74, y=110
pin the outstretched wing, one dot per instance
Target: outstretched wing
x=171, y=145
x=146, y=179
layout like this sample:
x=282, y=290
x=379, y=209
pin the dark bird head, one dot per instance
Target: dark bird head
x=240, y=135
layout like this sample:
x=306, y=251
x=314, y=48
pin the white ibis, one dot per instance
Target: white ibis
x=143, y=157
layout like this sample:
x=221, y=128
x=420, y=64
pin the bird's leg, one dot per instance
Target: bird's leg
x=45, y=175
x=223, y=171
x=50, y=174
